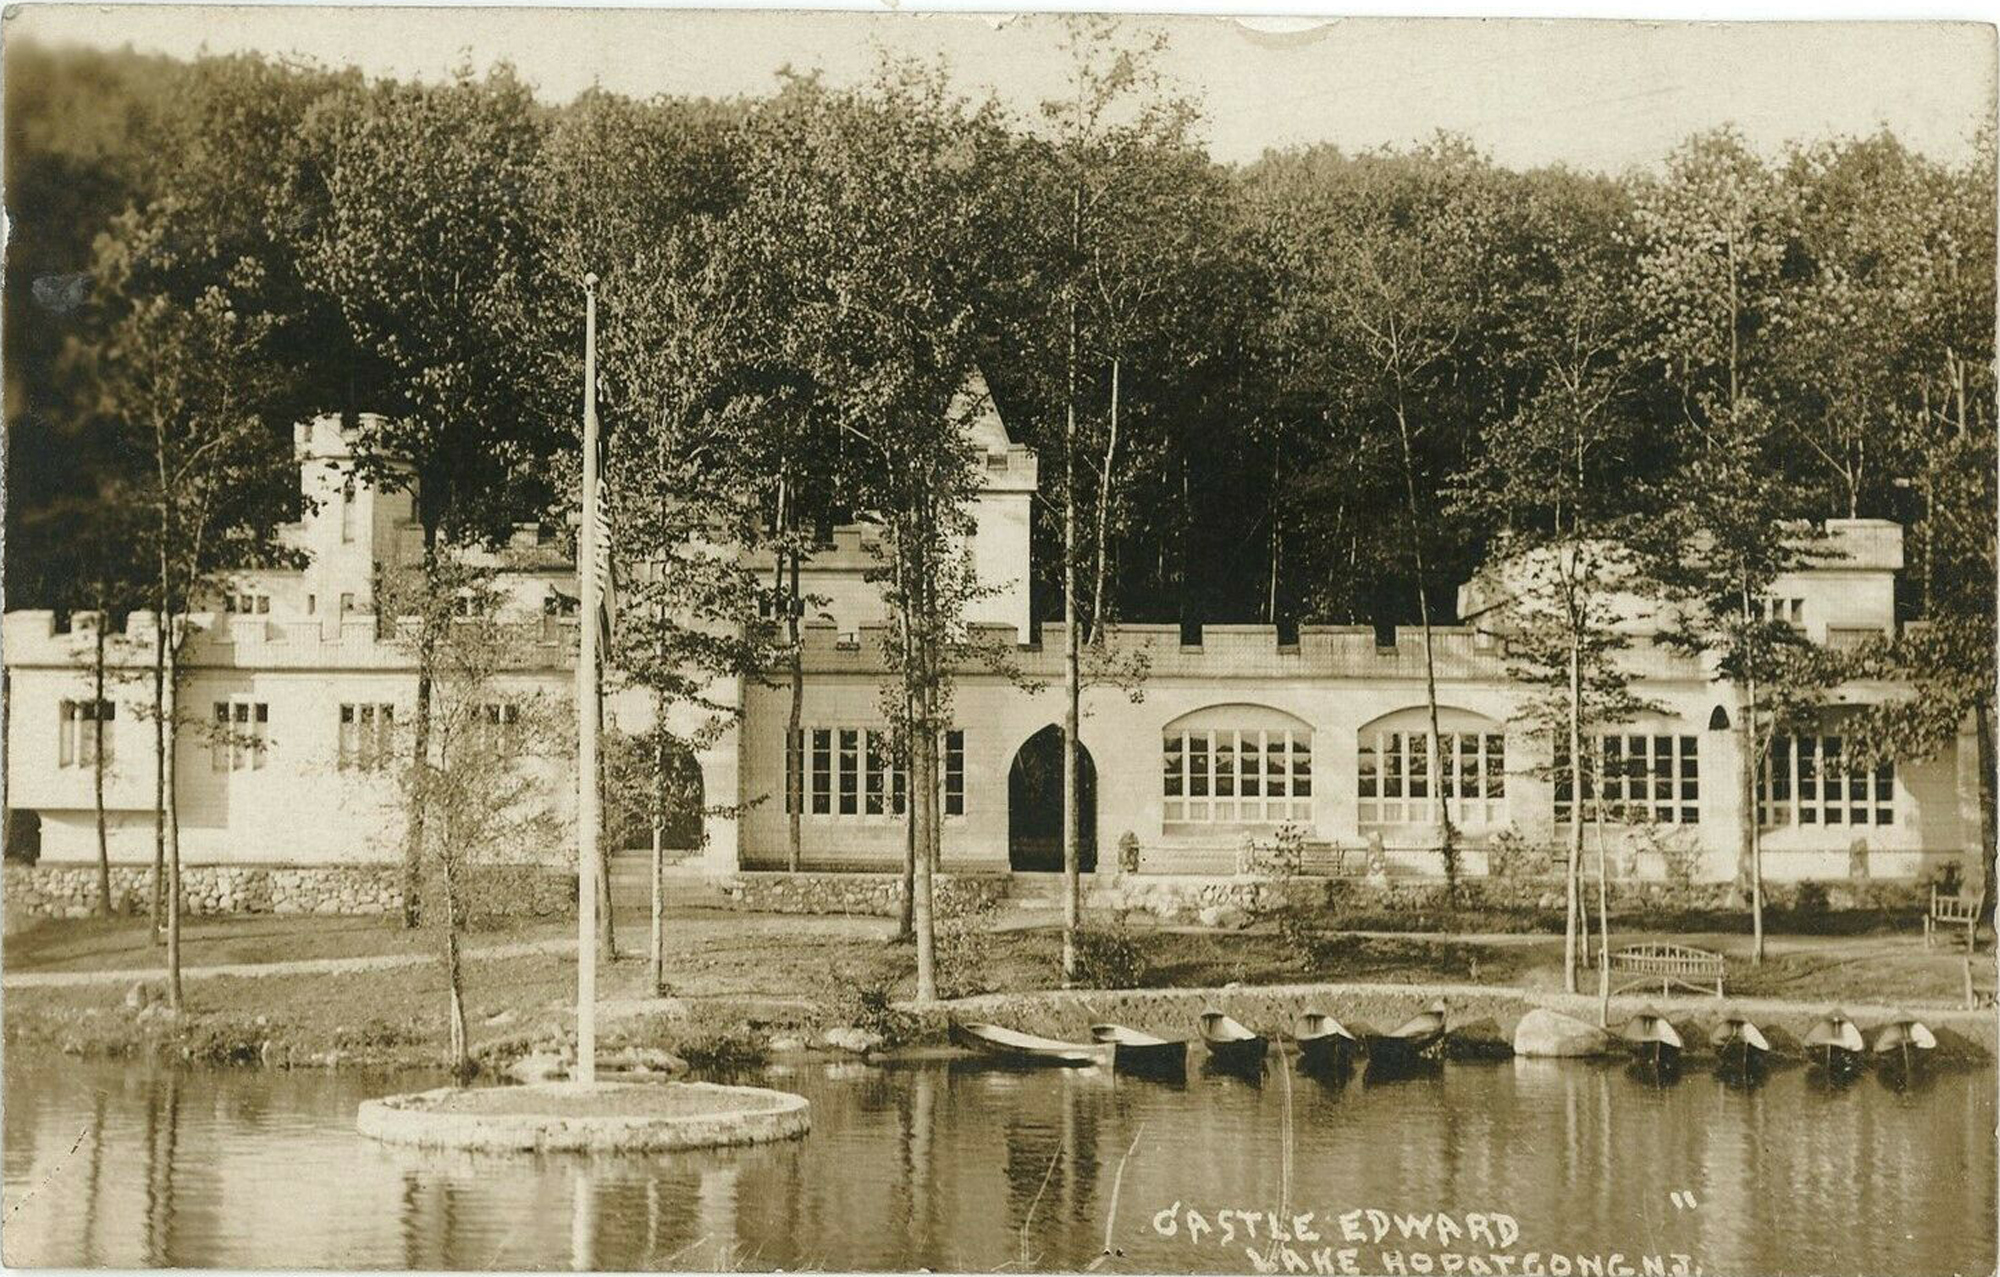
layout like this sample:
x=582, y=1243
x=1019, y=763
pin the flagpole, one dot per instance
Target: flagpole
x=586, y=713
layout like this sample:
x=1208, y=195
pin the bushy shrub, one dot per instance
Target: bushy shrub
x=711, y=1039
x=1510, y=856
x=1810, y=901
x=964, y=931
x=872, y=1007
x=1109, y=958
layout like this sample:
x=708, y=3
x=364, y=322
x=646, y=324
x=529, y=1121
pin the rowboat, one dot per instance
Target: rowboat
x=1412, y=1038
x=1739, y=1044
x=1896, y=1041
x=1835, y=1044
x=1136, y=1052
x=1323, y=1041
x=1028, y=1048
x=1653, y=1039
x=1230, y=1045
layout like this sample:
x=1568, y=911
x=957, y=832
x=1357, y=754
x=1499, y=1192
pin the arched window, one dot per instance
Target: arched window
x=1394, y=764
x=1236, y=765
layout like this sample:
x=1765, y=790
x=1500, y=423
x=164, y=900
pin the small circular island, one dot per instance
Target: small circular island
x=605, y=1117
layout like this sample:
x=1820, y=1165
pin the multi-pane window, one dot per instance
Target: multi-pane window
x=501, y=721
x=1645, y=778
x=854, y=771
x=1807, y=780
x=367, y=736
x=1393, y=772
x=1789, y=610
x=246, y=603
x=1231, y=775
x=86, y=733
x=242, y=733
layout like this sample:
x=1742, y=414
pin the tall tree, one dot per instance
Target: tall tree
x=1388, y=282
x=423, y=235
x=190, y=385
x=1557, y=478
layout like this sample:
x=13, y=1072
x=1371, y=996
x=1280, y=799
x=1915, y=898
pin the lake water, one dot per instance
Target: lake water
x=946, y=1166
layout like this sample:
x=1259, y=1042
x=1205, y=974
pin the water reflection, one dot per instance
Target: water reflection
x=950, y=1167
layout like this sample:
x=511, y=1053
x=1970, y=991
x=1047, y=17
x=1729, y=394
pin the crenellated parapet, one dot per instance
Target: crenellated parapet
x=1238, y=651
x=217, y=640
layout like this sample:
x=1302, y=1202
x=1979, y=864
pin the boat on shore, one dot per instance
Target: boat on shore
x=1902, y=1042
x=1136, y=1052
x=1324, y=1042
x=1835, y=1044
x=1229, y=1043
x=1015, y=1047
x=1413, y=1039
x=1653, y=1039
x=1739, y=1045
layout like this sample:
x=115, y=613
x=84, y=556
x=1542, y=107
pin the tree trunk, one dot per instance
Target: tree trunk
x=1104, y=496
x=159, y=909
x=173, y=822
x=906, y=921
x=1982, y=717
x=1072, y=689
x=454, y=975
x=795, y=721
x=1448, y=835
x=1571, y=887
x=923, y=802
x=1603, y=921
x=657, y=953
x=420, y=734
x=97, y=768
x=1753, y=824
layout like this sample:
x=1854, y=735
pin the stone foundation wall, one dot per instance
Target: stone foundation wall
x=70, y=890
x=1213, y=900
x=877, y=895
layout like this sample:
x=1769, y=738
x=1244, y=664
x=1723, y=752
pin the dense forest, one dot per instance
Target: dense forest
x=1255, y=333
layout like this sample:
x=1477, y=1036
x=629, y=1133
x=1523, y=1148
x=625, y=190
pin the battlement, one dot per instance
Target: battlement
x=1236, y=651
x=222, y=640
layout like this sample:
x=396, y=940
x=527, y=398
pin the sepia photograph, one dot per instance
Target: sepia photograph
x=875, y=640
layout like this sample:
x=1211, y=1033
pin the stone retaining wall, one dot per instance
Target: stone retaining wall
x=1211, y=900
x=70, y=890
x=1233, y=900
x=877, y=895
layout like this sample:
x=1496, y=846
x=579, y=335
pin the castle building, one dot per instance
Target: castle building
x=1220, y=745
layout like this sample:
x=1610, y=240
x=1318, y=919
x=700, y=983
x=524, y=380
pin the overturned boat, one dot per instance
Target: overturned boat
x=1136, y=1052
x=1230, y=1044
x=1835, y=1044
x=1653, y=1039
x=1413, y=1039
x=1740, y=1046
x=1324, y=1042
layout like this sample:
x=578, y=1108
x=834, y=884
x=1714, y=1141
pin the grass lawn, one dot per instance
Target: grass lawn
x=738, y=980
x=116, y=944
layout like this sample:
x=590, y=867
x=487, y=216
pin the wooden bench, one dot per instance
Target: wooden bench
x=1950, y=911
x=1696, y=970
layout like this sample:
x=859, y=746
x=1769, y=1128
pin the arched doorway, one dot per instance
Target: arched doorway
x=1035, y=806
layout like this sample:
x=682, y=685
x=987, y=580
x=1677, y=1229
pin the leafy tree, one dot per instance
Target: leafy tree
x=189, y=385
x=893, y=210
x=423, y=235
x=1557, y=477
x=1387, y=281
x=1721, y=541
x=482, y=786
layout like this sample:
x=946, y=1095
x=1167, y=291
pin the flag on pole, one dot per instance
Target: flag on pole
x=604, y=564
